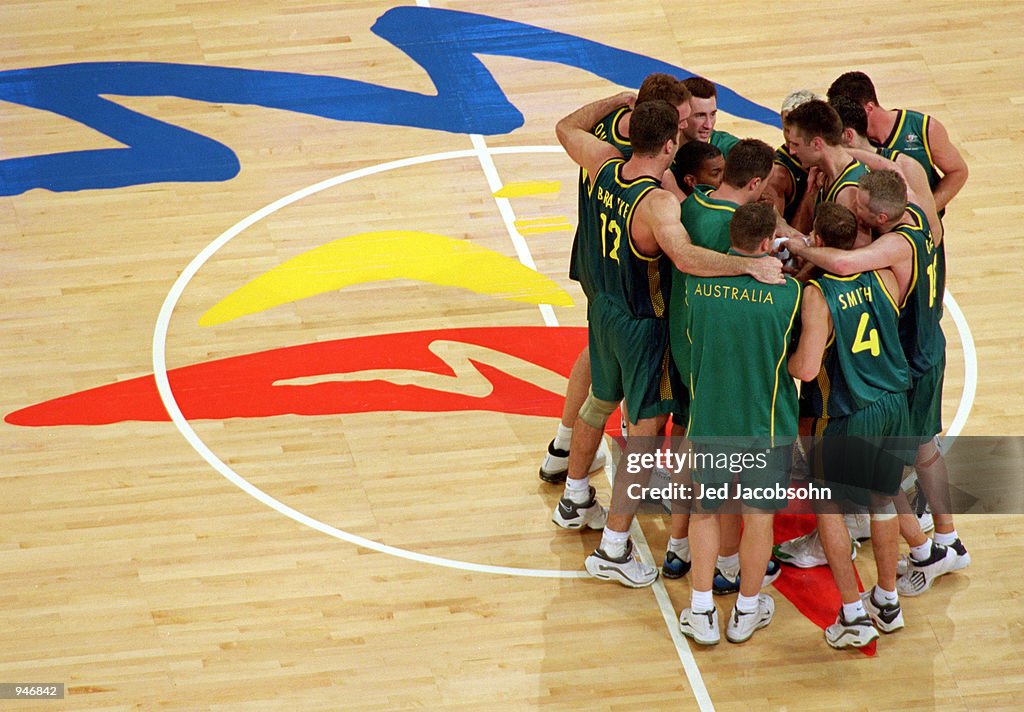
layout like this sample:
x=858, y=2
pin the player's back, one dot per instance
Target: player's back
x=608, y=130
x=635, y=282
x=864, y=359
x=740, y=331
x=921, y=311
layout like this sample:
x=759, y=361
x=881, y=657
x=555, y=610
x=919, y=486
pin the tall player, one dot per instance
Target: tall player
x=631, y=235
x=855, y=382
x=743, y=402
x=612, y=124
x=920, y=136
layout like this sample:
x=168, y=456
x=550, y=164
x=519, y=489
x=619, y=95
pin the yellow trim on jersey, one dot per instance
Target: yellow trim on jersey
x=885, y=291
x=711, y=206
x=913, y=277
x=836, y=278
x=632, y=209
x=782, y=356
x=615, y=125
x=925, y=119
x=841, y=182
x=898, y=128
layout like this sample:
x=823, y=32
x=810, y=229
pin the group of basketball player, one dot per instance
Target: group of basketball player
x=693, y=315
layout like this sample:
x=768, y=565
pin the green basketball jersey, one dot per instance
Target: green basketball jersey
x=740, y=330
x=847, y=178
x=920, y=331
x=723, y=141
x=863, y=359
x=636, y=283
x=910, y=135
x=798, y=174
x=607, y=129
x=707, y=220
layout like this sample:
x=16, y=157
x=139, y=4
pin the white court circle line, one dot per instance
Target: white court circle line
x=186, y=430
x=159, y=353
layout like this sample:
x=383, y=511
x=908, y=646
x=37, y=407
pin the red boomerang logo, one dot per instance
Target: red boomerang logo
x=248, y=386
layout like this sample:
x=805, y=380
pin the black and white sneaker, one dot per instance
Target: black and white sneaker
x=700, y=626
x=887, y=617
x=850, y=634
x=570, y=515
x=555, y=467
x=963, y=558
x=742, y=625
x=922, y=574
x=626, y=569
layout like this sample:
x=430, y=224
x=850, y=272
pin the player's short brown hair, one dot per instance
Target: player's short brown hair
x=750, y=224
x=700, y=87
x=855, y=85
x=835, y=225
x=651, y=125
x=816, y=118
x=850, y=113
x=887, y=192
x=750, y=158
x=664, y=87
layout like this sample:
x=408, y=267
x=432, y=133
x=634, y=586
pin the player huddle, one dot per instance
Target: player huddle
x=692, y=316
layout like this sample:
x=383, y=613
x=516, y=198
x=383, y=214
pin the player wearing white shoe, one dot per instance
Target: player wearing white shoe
x=743, y=406
x=612, y=126
x=633, y=230
x=855, y=382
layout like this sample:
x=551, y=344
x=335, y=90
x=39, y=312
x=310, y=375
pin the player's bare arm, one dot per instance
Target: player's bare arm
x=584, y=148
x=888, y=250
x=816, y=327
x=657, y=219
x=779, y=188
x=950, y=163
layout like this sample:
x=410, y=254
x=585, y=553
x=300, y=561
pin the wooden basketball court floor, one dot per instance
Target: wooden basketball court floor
x=337, y=521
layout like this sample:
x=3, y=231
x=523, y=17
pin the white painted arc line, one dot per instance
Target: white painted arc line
x=508, y=216
x=970, y=370
x=177, y=418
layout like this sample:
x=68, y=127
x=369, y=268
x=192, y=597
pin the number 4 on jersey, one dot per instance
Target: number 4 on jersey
x=868, y=342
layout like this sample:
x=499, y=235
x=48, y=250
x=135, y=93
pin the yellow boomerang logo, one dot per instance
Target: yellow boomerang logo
x=396, y=254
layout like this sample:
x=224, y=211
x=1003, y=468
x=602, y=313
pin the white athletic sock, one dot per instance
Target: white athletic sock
x=701, y=601
x=728, y=562
x=578, y=491
x=945, y=539
x=613, y=543
x=853, y=610
x=920, y=553
x=680, y=547
x=885, y=597
x=563, y=437
x=746, y=604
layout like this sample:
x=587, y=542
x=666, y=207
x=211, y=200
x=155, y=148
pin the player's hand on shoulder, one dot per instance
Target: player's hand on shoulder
x=767, y=270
